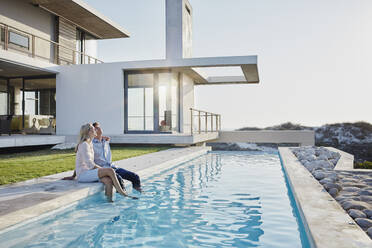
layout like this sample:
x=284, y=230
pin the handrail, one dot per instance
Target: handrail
x=74, y=52
x=206, y=114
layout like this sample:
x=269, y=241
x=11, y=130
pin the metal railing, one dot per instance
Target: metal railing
x=12, y=38
x=206, y=121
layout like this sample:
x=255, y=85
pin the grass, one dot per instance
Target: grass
x=364, y=165
x=27, y=165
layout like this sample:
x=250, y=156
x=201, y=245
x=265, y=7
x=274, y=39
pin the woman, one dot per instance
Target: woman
x=86, y=170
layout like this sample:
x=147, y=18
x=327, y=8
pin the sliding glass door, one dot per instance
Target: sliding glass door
x=140, y=102
x=151, y=102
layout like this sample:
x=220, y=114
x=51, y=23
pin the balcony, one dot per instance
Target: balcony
x=21, y=42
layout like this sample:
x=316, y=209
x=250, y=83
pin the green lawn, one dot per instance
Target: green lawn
x=27, y=165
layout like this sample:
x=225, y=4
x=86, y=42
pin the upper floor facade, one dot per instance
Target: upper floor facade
x=53, y=32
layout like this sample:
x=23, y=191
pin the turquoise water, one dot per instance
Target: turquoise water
x=222, y=199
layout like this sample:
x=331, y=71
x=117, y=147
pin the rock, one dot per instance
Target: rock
x=326, y=180
x=368, y=212
x=333, y=161
x=319, y=175
x=323, y=157
x=329, y=186
x=368, y=180
x=304, y=161
x=366, y=198
x=359, y=185
x=359, y=205
x=349, y=180
x=365, y=192
x=369, y=232
x=351, y=189
x=332, y=175
x=354, y=213
x=324, y=164
x=364, y=223
x=309, y=166
x=340, y=199
x=333, y=192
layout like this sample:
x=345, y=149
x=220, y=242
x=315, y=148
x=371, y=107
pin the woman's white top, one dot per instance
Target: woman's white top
x=84, y=158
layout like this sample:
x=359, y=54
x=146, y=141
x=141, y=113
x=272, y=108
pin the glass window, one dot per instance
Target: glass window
x=3, y=98
x=168, y=102
x=141, y=98
x=140, y=102
x=19, y=39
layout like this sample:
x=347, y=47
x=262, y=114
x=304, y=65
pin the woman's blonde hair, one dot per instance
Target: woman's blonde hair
x=84, y=134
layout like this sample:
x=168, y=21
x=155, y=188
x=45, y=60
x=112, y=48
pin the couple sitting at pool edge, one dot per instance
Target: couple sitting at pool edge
x=93, y=162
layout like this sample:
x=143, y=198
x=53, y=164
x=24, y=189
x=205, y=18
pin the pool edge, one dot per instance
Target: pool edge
x=318, y=209
x=35, y=212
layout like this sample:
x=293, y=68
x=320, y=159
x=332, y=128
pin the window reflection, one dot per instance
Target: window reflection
x=150, y=93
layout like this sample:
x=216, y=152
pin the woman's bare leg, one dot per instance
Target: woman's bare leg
x=108, y=187
x=109, y=172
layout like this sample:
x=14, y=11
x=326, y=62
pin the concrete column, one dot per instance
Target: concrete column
x=178, y=29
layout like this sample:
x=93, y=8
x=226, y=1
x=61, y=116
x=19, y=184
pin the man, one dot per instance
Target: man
x=102, y=157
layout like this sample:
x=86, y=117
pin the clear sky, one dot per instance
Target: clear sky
x=315, y=57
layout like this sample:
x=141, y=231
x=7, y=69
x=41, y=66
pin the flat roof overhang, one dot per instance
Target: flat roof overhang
x=85, y=17
x=15, y=70
x=248, y=64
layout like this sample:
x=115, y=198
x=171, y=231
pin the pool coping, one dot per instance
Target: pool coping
x=318, y=209
x=69, y=192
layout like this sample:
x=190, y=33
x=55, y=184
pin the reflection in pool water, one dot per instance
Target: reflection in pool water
x=222, y=199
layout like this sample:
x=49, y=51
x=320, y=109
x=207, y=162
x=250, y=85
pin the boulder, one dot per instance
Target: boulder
x=366, y=198
x=329, y=186
x=368, y=212
x=365, y=192
x=326, y=180
x=319, y=175
x=354, y=213
x=323, y=157
x=332, y=175
x=308, y=165
x=351, y=189
x=359, y=185
x=323, y=164
x=333, y=161
x=333, y=192
x=364, y=223
x=368, y=180
x=359, y=205
x=369, y=232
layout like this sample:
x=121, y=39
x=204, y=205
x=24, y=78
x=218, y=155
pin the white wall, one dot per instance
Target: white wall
x=23, y=15
x=302, y=137
x=88, y=93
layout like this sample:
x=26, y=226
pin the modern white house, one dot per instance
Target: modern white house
x=51, y=81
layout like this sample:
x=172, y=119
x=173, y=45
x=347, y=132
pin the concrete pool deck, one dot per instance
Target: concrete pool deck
x=27, y=200
x=328, y=224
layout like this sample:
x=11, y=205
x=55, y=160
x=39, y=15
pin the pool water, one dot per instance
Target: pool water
x=222, y=199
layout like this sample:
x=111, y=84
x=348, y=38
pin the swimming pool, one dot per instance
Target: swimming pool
x=221, y=199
